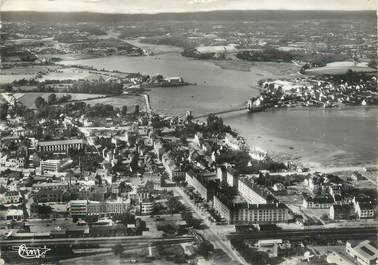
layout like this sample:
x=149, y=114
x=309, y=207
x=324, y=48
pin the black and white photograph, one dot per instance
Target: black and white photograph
x=201, y=132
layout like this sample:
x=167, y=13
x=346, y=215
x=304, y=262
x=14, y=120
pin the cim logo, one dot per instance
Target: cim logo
x=32, y=252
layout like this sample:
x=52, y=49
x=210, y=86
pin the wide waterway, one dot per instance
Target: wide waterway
x=323, y=136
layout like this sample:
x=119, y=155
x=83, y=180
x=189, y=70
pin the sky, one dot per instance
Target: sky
x=158, y=6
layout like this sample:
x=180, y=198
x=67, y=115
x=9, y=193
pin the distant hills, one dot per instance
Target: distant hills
x=236, y=15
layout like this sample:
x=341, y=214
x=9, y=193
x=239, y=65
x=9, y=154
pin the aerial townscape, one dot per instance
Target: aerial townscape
x=222, y=137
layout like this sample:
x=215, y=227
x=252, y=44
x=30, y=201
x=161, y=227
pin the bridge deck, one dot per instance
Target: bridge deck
x=220, y=112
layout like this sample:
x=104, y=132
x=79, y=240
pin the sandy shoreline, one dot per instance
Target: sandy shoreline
x=324, y=156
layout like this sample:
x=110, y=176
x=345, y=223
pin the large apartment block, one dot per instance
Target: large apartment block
x=239, y=213
x=203, y=184
x=252, y=193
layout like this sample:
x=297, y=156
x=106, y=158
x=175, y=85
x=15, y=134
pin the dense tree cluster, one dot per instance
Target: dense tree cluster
x=52, y=99
x=124, y=187
x=170, y=40
x=192, y=52
x=251, y=255
x=266, y=55
x=373, y=64
x=72, y=86
x=3, y=111
x=124, y=218
x=266, y=164
x=191, y=221
x=52, y=110
x=97, y=87
x=174, y=205
x=238, y=158
x=43, y=210
x=205, y=249
x=318, y=59
x=118, y=249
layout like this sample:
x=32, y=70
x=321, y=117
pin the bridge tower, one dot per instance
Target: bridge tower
x=188, y=115
x=249, y=104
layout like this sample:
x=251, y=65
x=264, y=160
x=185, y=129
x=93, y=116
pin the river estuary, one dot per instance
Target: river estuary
x=316, y=136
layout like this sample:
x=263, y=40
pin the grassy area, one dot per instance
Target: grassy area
x=49, y=72
x=119, y=101
x=27, y=99
x=30, y=69
x=53, y=72
x=9, y=78
x=69, y=73
x=338, y=70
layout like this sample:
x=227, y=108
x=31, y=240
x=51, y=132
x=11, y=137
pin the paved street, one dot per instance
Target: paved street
x=211, y=232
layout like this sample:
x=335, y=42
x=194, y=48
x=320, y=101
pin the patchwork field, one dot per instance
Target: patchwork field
x=51, y=72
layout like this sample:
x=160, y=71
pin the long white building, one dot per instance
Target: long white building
x=82, y=208
x=61, y=145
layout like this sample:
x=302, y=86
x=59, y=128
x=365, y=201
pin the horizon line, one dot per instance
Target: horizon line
x=193, y=12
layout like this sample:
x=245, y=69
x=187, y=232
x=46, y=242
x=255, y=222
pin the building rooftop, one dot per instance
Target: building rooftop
x=367, y=206
x=204, y=178
x=48, y=184
x=78, y=202
x=12, y=137
x=366, y=249
x=245, y=205
x=256, y=188
x=320, y=199
x=14, y=212
x=12, y=193
x=232, y=171
x=267, y=206
x=51, y=161
x=59, y=142
x=342, y=207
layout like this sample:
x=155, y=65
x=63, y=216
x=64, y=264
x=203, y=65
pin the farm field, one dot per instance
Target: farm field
x=27, y=99
x=9, y=78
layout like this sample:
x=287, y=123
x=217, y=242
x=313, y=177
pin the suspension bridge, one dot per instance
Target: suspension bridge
x=245, y=106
